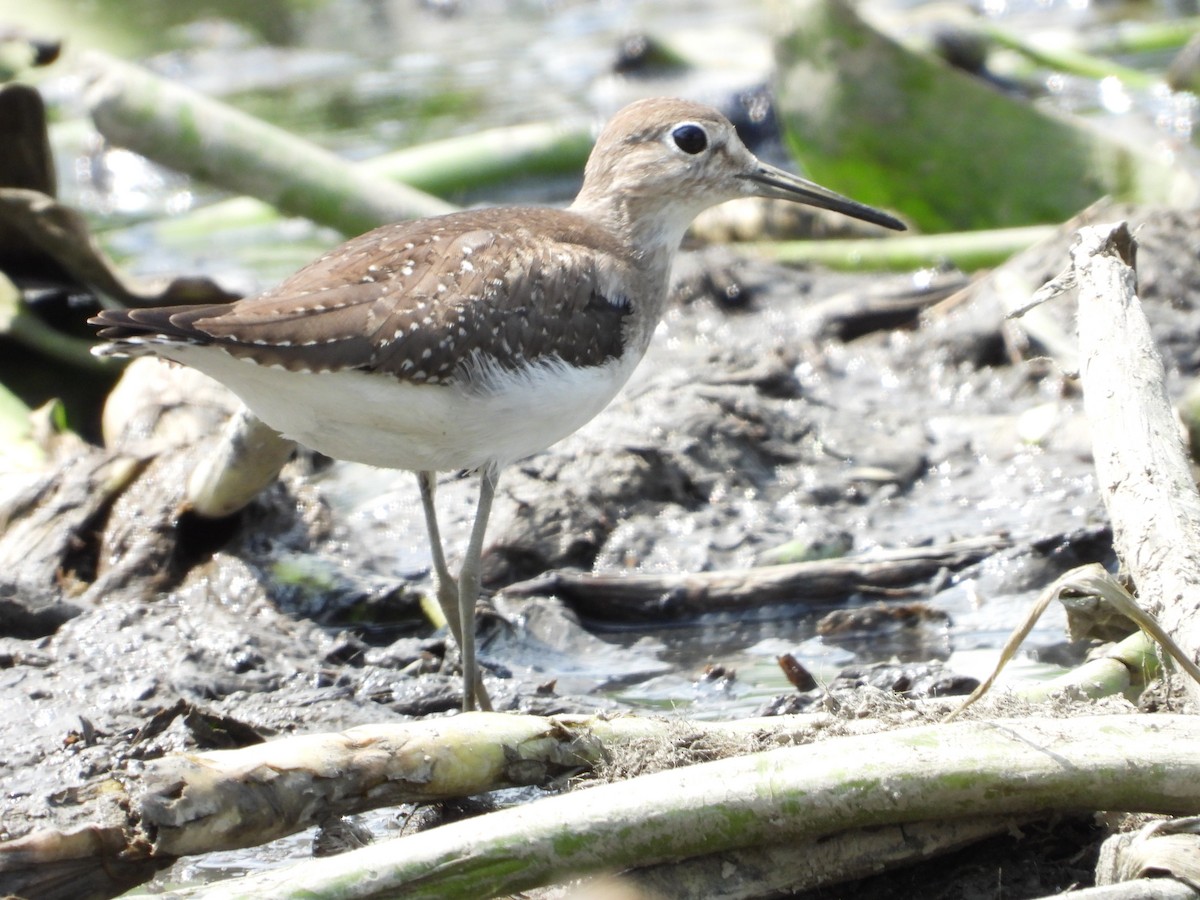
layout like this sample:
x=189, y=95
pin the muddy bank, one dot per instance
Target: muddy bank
x=761, y=419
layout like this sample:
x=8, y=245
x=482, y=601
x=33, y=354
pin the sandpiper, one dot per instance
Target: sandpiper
x=471, y=340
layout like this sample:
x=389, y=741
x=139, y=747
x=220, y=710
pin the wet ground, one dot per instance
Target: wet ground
x=767, y=424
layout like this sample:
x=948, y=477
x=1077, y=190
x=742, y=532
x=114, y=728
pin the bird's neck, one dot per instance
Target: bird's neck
x=650, y=231
x=651, y=227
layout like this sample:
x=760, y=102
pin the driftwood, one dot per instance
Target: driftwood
x=657, y=597
x=1141, y=466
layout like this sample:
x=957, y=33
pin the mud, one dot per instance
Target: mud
x=128, y=630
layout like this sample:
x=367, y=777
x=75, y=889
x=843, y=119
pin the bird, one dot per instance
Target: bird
x=468, y=341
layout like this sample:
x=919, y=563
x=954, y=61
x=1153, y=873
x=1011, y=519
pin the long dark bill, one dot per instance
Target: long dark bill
x=773, y=182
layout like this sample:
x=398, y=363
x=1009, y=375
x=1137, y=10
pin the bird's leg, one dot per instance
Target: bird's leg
x=468, y=587
x=447, y=588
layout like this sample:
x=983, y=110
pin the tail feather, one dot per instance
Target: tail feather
x=135, y=332
x=176, y=322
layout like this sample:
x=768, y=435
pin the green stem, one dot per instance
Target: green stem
x=1127, y=667
x=968, y=250
x=214, y=142
x=1145, y=37
x=444, y=168
x=26, y=328
x=1071, y=62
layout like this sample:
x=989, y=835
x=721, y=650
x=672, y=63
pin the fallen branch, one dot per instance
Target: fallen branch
x=674, y=596
x=200, y=802
x=780, y=869
x=794, y=794
x=1142, y=470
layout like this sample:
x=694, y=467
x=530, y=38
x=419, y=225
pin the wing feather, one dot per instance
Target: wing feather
x=422, y=301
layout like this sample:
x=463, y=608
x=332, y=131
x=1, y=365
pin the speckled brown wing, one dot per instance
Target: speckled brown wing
x=420, y=300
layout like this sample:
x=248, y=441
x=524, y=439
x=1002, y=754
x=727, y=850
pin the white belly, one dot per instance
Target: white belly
x=384, y=422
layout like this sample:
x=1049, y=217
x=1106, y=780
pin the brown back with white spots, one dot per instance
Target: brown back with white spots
x=419, y=300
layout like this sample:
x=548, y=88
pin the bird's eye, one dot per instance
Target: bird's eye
x=690, y=138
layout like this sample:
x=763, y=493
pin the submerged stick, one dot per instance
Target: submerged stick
x=673, y=596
